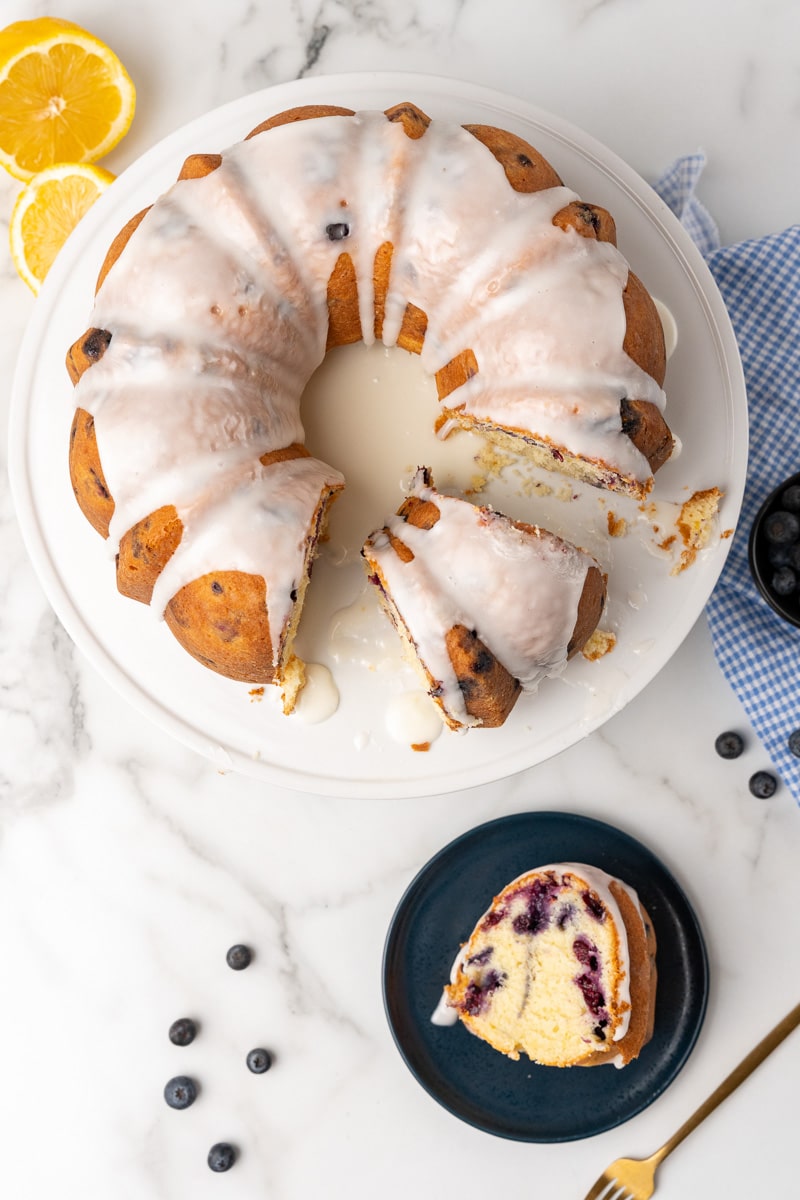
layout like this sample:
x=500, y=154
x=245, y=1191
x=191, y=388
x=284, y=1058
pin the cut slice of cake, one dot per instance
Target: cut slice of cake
x=561, y=968
x=487, y=606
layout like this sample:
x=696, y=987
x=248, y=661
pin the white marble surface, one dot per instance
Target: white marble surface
x=128, y=864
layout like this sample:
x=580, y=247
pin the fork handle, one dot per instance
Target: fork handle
x=732, y=1081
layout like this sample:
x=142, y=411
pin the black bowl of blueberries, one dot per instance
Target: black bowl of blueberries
x=774, y=549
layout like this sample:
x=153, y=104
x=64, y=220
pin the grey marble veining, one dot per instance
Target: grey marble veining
x=128, y=864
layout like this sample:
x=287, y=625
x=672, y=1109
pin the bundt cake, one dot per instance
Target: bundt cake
x=324, y=227
x=487, y=607
x=560, y=968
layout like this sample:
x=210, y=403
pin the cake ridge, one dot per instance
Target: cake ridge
x=254, y=247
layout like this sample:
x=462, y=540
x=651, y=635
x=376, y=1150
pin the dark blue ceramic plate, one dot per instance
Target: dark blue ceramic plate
x=521, y=1100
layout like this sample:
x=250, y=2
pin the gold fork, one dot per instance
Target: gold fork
x=634, y=1178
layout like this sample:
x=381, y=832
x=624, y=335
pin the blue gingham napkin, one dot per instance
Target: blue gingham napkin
x=758, y=652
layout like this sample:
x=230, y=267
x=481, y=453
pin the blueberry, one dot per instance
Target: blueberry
x=592, y=993
x=180, y=1092
x=763, y=785
x=221, y=1156
x=791, y=498
x=539, y=899
x=478, y=994
x=594, y=906
x=259, y=1061
x=729, y=744
x=481, y=958
x=793, y=556
x=784, y=581
x=781, y=527
x=239, y=957
x=794, y=743
x=182, y=1031
x=780, y=556
x=338, y=231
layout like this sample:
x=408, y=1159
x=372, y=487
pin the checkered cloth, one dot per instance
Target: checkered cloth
x=758, y=652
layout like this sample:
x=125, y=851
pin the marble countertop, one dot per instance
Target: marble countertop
x=128, y=864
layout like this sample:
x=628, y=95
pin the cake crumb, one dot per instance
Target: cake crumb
x=256, y=693
x=696, y=525
x=529, y=486
x=617, y=526
x=491, y=463
x=292, y=683
x=601, y=642
x=420, y=746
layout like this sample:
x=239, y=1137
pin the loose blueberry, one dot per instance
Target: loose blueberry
x=338, y=231
x=182, y=1031
x=729, y=744
x=763, y=785
x=781, y=528
x=259, y=1061
x=794, y=743
x=784, y=581
x=221, y=1156
x=791, y=498
x=780, y=556
x=180, y=1092
x=792, y=556
x=239, y=957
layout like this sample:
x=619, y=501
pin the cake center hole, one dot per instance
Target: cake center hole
x=370, y=412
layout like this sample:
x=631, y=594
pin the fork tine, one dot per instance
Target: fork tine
x=601, y=1188
x=618, y=1192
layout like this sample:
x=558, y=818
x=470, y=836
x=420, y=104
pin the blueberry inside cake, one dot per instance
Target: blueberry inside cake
x=561, y=968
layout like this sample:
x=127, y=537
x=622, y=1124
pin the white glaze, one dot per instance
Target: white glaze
x=271, y=510
x=319, y=696
x=669, y=325
x=412, y=719
x=218, y=313
x=518, y=591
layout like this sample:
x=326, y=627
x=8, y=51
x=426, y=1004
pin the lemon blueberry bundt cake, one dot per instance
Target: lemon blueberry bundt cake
x=325, y=227
x=487, y=607
x=561, y=968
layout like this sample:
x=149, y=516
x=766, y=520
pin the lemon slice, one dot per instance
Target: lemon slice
x=64, y=96
x=47, y=211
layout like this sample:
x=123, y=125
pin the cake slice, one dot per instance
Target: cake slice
x=561, y=968
x=486, y=606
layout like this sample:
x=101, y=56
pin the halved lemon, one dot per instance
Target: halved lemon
x=47, y=211
x=64, y=96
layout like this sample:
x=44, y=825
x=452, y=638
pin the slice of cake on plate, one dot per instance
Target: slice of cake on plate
x=561, y=968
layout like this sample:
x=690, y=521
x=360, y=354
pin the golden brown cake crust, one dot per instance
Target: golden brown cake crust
x=642, y=958
x=490, y=691
x=86, y=473
x=144, y=549
x=221, y=620
x=526, y=169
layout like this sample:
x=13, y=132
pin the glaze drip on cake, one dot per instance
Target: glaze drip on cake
x=560, y=968
x=326, y=227
x=442, y=564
